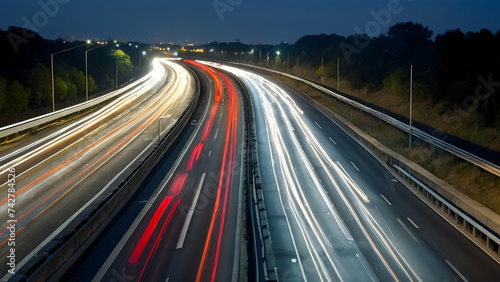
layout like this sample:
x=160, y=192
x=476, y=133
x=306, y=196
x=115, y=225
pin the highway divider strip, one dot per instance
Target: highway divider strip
x=52, y=261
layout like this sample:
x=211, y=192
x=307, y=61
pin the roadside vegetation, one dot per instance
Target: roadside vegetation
x=26, y=79
x=476, y=183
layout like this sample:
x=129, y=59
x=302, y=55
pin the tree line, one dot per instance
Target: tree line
x=459, y=69
x=25, y=73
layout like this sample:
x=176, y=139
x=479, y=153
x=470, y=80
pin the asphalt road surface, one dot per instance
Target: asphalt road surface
x=62, y=169
x=184, y=223
x=336, y=213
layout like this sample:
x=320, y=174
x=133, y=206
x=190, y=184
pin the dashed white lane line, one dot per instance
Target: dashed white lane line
x=318, y=125
x=355, y=166
x=407, y=230
x=456, y=271
x=411, y=221
x=217, y=131
x=209, y=153
x=332, y=140
x=185, y=227
x=389, y=203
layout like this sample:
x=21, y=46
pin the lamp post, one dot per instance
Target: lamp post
x=87, y=71
x=411, y=101
x=322, y=69
x=338, y=74
x=140, y=58
x=288, y=63
x=52, y=72
x=260, y=55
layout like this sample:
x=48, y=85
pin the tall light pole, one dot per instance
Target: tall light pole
x=338, y=75
x=322, y=69
x=411, y=99
x=288, y=63
x=116, y=81
x=140, y=58
x=87, y=71
x=52, y=72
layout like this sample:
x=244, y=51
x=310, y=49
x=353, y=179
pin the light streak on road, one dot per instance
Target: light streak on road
x=61, y=162
x=293, y=145
x=150, y=237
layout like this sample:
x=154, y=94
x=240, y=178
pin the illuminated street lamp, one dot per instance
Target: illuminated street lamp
x=52, y=71
x=140, y=58
x=87, y=71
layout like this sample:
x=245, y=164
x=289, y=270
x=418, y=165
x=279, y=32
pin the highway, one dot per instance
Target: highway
x=184, y=224
x=66, y=167
x=336, y=213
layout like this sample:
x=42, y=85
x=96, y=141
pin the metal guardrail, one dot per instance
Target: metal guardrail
x=452, y=207
x=47, y=118
x=58, y=255
x=467, y=156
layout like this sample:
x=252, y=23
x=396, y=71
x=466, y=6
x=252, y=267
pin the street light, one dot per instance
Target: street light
x=411, y=100
x=140, y=58
x=87, y=71
x=260, y=55
x=52, y=72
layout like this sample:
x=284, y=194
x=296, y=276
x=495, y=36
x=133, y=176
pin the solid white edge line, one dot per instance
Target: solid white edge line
x=407, y=230
x=456, y=271
x=389, y=203
x=182, y=236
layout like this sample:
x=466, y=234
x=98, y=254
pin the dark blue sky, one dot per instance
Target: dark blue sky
x=252, y=21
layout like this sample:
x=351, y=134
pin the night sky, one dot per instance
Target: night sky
x=251, y=21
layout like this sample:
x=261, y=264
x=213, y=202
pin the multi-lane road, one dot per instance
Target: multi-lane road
x=336, y=213
x=185, y=223
x=63, y=169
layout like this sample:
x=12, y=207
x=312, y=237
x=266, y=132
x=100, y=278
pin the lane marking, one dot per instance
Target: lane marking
x=318, y=125
x=407, y=230
x=411, y=221
x=182, y=236
x=389, y=203
x=210, y=153
x=456, y=271
x=111, y=258
x=355, y=166
x=332, y=140
x=216, y=132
